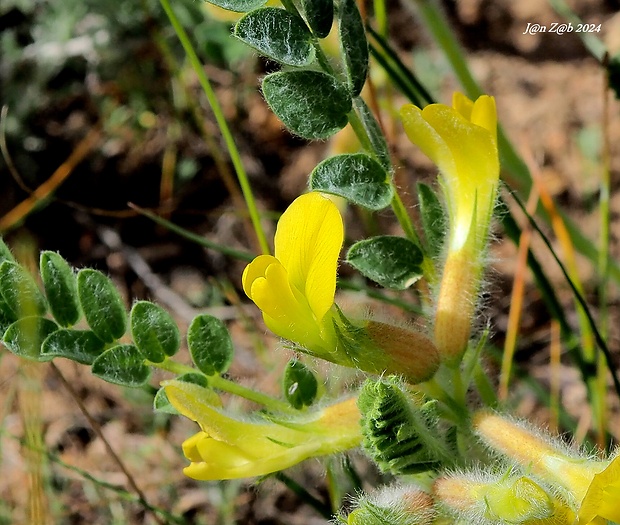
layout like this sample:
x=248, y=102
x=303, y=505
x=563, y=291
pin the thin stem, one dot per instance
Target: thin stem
x=603, y=260
x=110, y=451
x=227, y=385
x=198, y=239
x=360, y=132
x=222, y=124
x=272, y=404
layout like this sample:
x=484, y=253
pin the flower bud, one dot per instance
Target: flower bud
x=590, y=486
x=404, y=505
x=487, y=499
x=381, y=348
x=456, y=305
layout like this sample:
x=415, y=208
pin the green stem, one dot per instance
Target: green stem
x=222, y=124
x=198, y=239
x=436, y=23
x=226, y=385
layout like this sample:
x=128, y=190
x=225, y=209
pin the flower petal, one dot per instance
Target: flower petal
x=484, y=114
x=462, y=104
x=603, y=496
x=472, y=184
x=254, y=270
x=308, y=240
x=285, y=310
x=423, y=135
x=223, y=461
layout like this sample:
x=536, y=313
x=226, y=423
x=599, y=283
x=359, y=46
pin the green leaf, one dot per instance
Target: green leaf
x=319, y=15
x=5, y=252
x=20, y=292
x=25, y=337
x=278, y=35
x=311, y=104
x=354, y=45
x=299, y=384
x=82, y=346
x=374, y=132
x=355, y=176
x=434, y=221
x=154, y=331
x=239, y=6
x=60, y=287
x=161, y=403
x=6, y=318
x=393, y=262
x=122, y=365
x=210, y=345
x=102, y=305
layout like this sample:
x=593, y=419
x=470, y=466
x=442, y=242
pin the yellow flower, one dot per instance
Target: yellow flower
x=230, y=448
x=295, y=289
x=590, y=486
x=462, y=141
x=602, y=499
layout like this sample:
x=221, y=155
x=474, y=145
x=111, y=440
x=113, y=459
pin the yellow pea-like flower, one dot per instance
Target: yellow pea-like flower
x=462, y=141
x=295, y=289
x=228, y=447
x=590, y=486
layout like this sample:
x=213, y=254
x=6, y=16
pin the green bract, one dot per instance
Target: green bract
x=5, y=252
x=400, y=432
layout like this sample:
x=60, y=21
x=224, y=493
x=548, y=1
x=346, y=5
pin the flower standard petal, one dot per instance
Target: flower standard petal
x=471, y=179
x=423, y=135
x=308, y=240
x=484, y=114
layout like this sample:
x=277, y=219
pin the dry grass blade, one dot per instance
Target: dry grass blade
x=19, y=212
